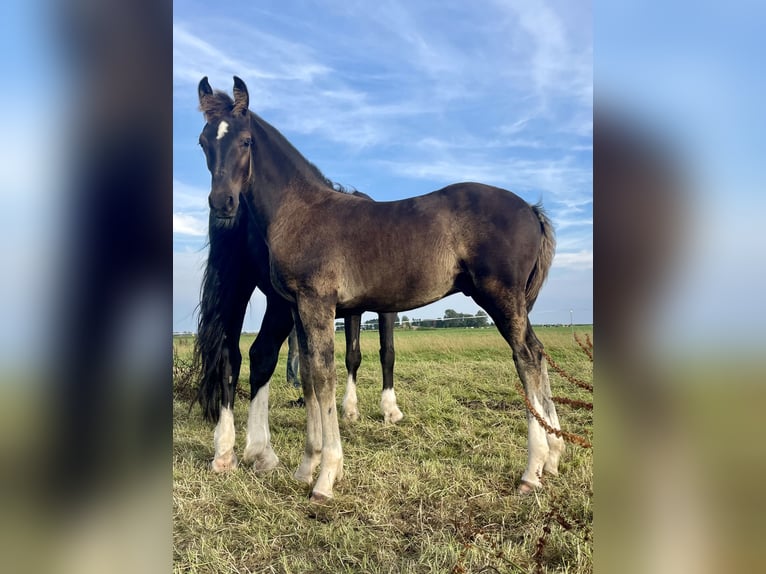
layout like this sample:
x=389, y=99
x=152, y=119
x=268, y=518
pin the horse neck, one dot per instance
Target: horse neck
x=267, y=198
x=281, y=175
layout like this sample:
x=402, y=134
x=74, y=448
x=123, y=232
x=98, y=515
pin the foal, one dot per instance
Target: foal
x=237, y=263
x=476, y=239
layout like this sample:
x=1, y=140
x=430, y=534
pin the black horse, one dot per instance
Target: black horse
x=479, y=240
x=237, y=263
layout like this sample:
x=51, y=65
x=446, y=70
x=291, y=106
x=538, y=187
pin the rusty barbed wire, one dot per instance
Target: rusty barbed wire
x=584, y=347
x=555, y=514
x=571, y=437
x=567, y=376
x=574, y=403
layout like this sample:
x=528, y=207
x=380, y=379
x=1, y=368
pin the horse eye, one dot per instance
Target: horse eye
x=247, y=142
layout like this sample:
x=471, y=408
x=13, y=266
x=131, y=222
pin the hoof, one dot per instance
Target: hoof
x=351, y=416
x=551, y=465
x=266, y=466
x=263, y=462
x=526, y=488
x=393, y=417
x=224, y=463
x=319, y=498
x=303, y=477
x=297, y=403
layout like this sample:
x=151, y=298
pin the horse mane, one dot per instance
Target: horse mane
x=296, y=157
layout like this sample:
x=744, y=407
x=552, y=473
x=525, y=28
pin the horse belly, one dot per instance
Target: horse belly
x=391, y=289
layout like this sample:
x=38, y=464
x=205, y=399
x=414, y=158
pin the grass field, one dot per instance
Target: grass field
x=433, y=493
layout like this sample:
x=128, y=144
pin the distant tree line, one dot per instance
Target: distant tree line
x=451, y=319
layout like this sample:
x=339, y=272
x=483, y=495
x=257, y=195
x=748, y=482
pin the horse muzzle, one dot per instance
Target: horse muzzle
x=223, y=205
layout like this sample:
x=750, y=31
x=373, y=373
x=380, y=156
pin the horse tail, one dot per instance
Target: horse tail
x=544, y=256
x=208, y=348
x=216, y=297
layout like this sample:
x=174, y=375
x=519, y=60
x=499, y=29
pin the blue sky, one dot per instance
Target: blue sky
x=398, y=99
x=699, y=85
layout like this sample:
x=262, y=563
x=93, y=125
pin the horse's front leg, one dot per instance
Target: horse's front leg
x=315, y=324
x=224, y=458
x=264, y=353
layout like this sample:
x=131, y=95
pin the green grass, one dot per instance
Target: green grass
x=433, y=493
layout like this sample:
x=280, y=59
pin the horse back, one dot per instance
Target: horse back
x=387, y=256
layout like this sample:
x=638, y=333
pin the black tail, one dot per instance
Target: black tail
x=217, y=297
x=544, y=258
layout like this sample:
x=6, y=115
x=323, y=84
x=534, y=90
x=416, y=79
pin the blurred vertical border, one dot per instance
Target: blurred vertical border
x=679, y=236
x=87, y=297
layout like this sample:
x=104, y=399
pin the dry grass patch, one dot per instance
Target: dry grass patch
x=433, y=493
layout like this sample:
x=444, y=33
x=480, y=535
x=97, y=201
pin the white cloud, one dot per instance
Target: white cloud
x=190, y=210
x=187, y=278
x=565, y=223
x=581, y=260
x=412, y=67
x=184, y=224
x=559, y=177
x=189, y=197
x=195, y=56
x=561, y=61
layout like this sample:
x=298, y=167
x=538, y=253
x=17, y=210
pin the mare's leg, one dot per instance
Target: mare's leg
x=293, y=359
x=352, y=326
x=391, y=412
x=231, y=360
x=507, y=308
x=264, y=353
x=224, y=458
x=316, y=338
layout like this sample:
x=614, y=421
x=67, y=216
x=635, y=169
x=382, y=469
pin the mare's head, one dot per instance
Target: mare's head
x=227, y=140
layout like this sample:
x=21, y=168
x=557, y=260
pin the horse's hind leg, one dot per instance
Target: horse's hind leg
x=352, y=326
x=264, y=354
x=556, y=444
x=391, y=412
x=508, y=309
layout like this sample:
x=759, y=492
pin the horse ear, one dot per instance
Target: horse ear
x=204, y=89
x=241, y=97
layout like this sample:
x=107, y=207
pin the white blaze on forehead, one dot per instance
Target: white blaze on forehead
x=223, y=127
